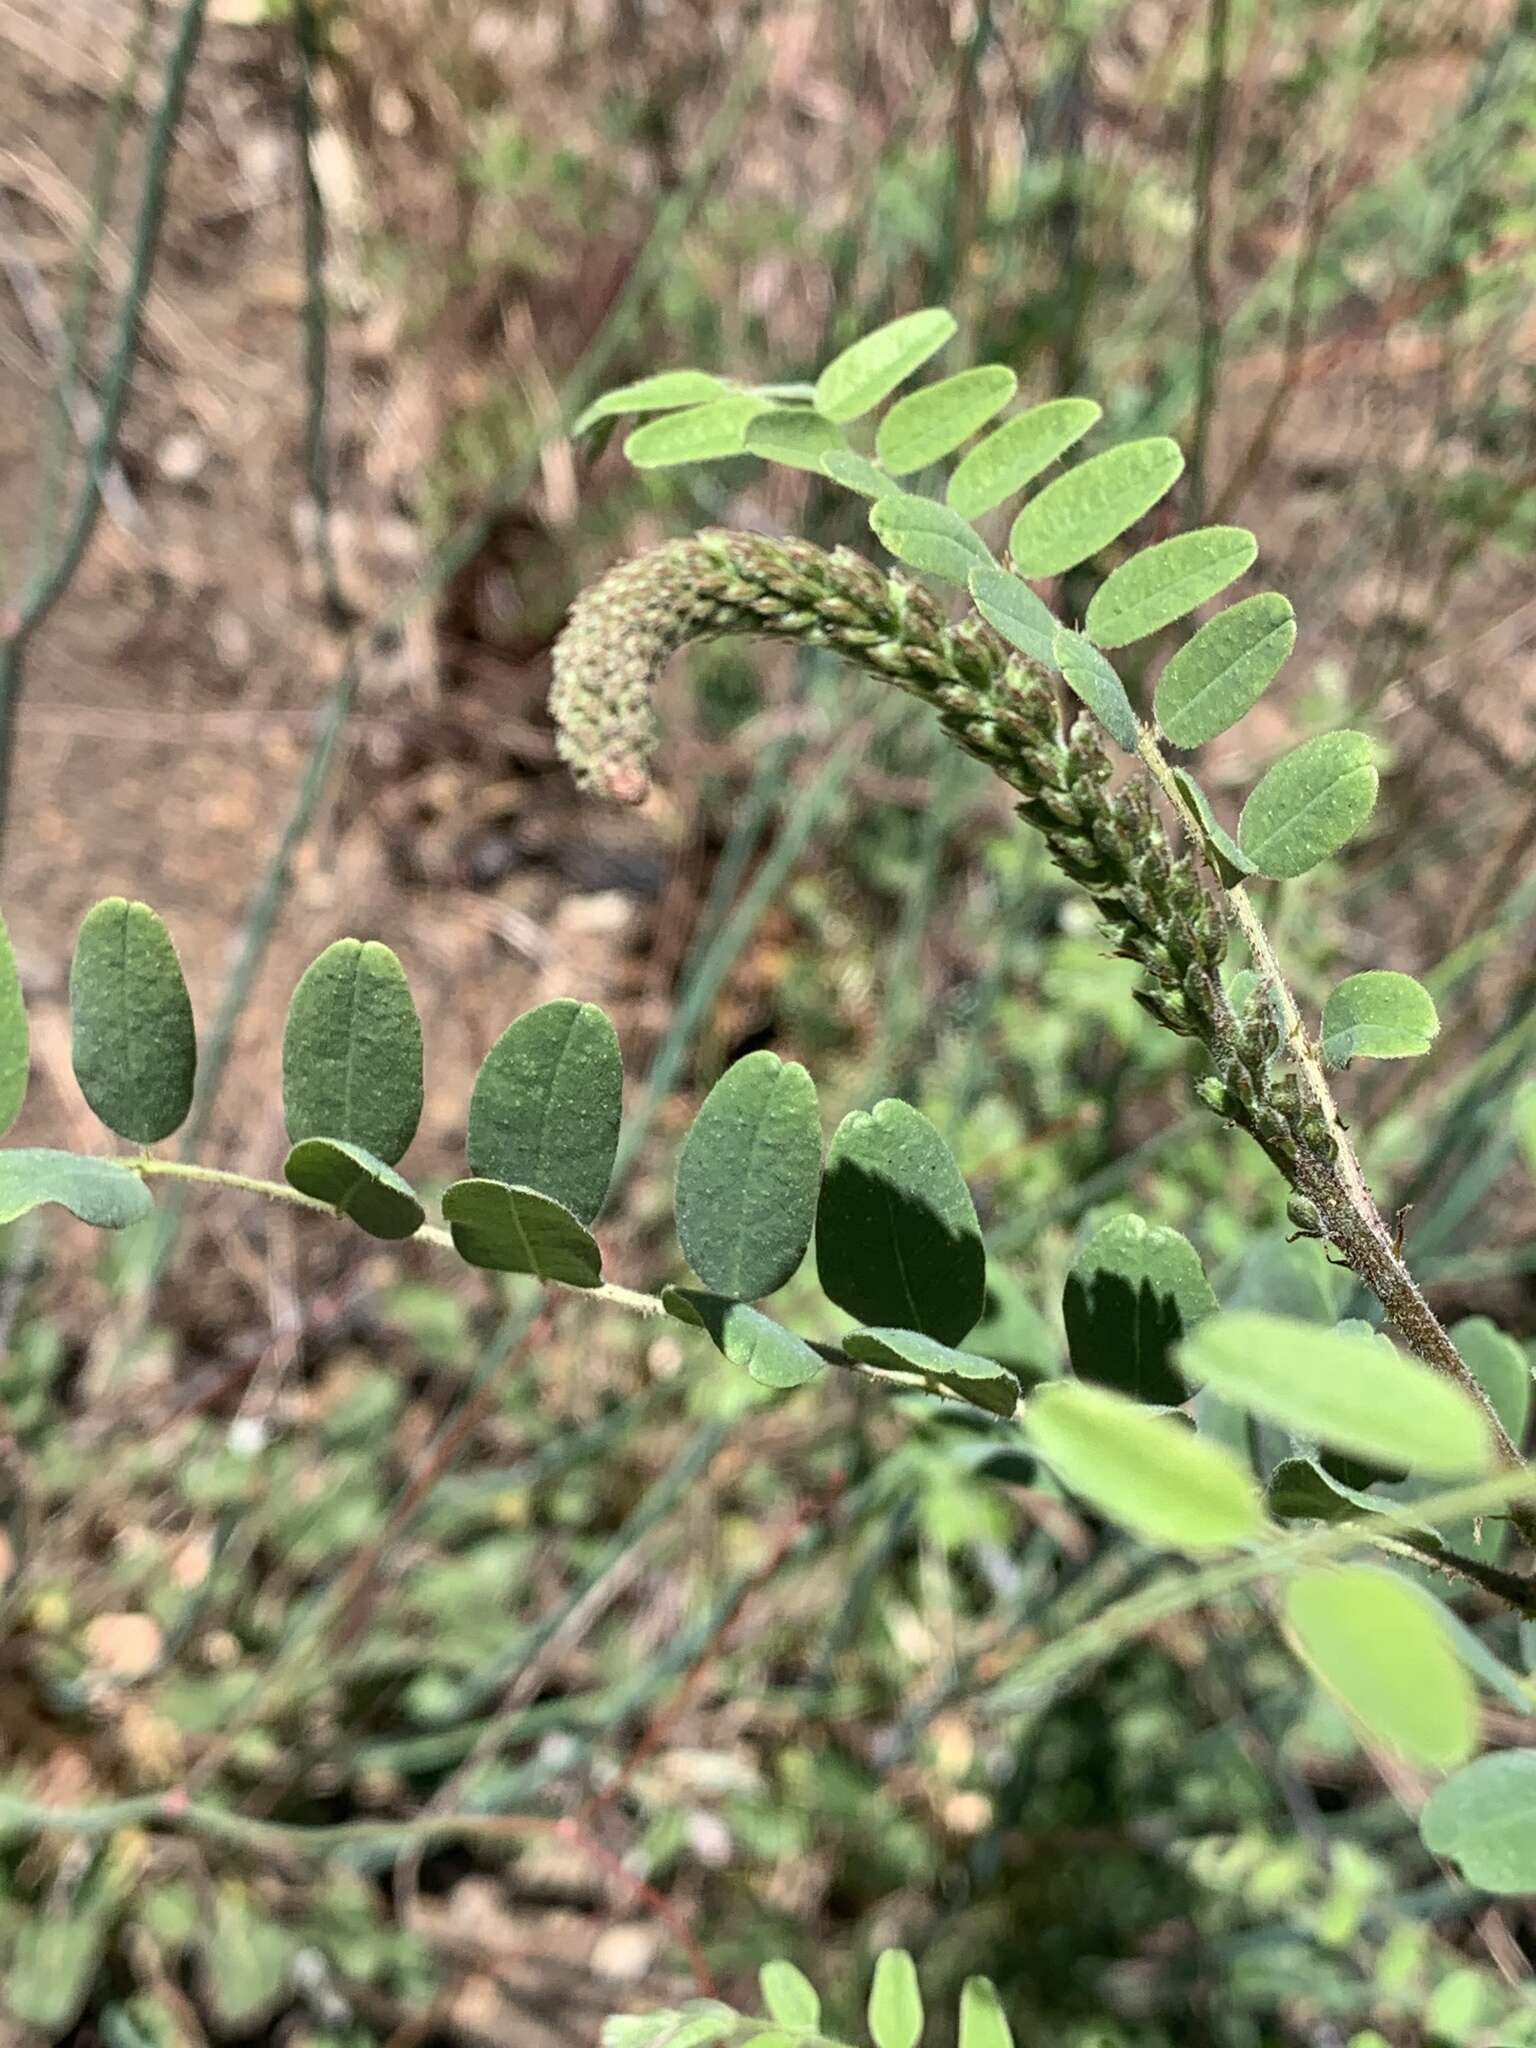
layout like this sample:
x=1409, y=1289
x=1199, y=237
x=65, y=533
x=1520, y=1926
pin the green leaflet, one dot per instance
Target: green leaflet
x=357, y=1184
x=1148, y=1472
x=1501, y=1369
x=927, y=425
x=134, y=1044
x=1015, y=455
x=1094, y=680
x=854, y=473
x=54, y=1961
x=15, y=1053
x=897, y=1242
x=704, y=433
x=981, y=1381
x=1484, y=1819
x=748, y=1176
x=1164, y=582
x=518, y=1230
x=1301, y=1490
x=352, y=1064
x=788, y=1997
x=1351, y=1390
x=1090, y=506
x=795, y=436
x=98, y=1191
x=1523, y=1117
x=983, y=2023
x=1225, y=669
x=1379, y=1015
x=1378, y=1646
x=544, y=1111
x=247, y=1960
x=895, y=2003
x=869, y=370
x=1012, y=608
x=1228, y=859
x=661, y=393
x=928, y=536
x=1309, y=804
x=770, y=1354
x=1135, y=1289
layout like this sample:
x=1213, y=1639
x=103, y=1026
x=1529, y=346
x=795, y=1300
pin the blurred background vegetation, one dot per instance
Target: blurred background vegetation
x=317, y=1533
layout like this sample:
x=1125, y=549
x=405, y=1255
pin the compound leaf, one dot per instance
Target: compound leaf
x=895, y=2002
x=1378, y=1646
x=135, y=1044
x=1350, y=1389
x=1309, y=804
x=704, y=433
x=1083, y=511
x=1093, y=679
x=1134, y=1291
x=357, y=1184
x=928, y=536
x=870, y=369
x=15, y=1054
x=1012, y=608
x=772, y=1355
x=1225, y=669
x=748, y=1176
x=981, y=1381
x=1148, y=1472
x=1015, y=455
x=1484, y=1819
x=518, y=1230
x=1164, y=582
x=664, y=392
x=925, y=426
x=352, y=1051
x=1379, y=1015
x=897, y=1242
x=795, y=436
x=544, y=1111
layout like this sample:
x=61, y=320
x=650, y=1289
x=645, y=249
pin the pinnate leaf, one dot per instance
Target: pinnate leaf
x=1148, y=1472
x=764, y=1349
x=352, y=1051
x=544, y=1111
x=518, y=1230
x=664, y=392
x=1225, y=669
x=1309, y=804
x=357, y=1184
x=1378, y=1646
x=928, y=536
x=1090, y=506
x=98, y=1191
x=748, y=1176
x=704, y=433
x=1134, y=1291
x=1015, y=455
x=135, y=1044
x=925, y=426
x=1350, y=1389
x=1094, y=680
x=1009, y=605
x=895, y=2003
x=856, y=381
x=1484, y=1820
x=897, y=1242
x=1164, y=582
x=15, y=1052
x=1379, y=1015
